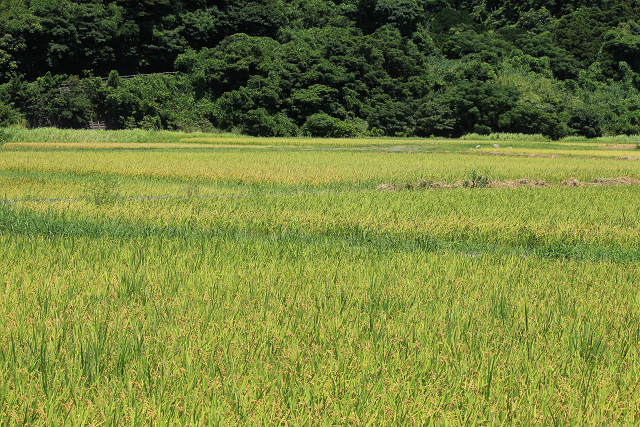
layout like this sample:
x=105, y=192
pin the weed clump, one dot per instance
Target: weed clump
x=476, y=180
x=4, y=136
x=193, y=191
x=102, y=190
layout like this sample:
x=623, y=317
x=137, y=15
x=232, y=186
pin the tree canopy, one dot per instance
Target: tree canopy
x=324, y=67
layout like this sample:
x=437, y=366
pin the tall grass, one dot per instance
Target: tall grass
x=46, y=135
x=618, y=139
x=529, y=221
x=308, y=141
x=156, y=330
x=501, y=136
x=295, y=167
x=60, y=136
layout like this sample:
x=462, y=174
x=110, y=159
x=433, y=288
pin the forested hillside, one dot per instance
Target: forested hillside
x=324, y=68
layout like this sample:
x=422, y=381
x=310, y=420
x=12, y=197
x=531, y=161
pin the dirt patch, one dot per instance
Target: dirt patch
x=628, y=158
x=571, y=182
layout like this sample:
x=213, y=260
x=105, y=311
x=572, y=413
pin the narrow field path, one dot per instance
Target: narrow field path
x=82, y=199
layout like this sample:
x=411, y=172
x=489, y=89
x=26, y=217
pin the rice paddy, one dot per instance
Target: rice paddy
x=160, y=282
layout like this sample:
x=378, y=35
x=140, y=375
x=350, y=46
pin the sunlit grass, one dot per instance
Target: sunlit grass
x=581, y=151
x=313, y=142
x=116, y=145
x=505, y=137
x=355, y=168
x=596, y=221
x=278, y=286
x=57, y=136
x=242, y=328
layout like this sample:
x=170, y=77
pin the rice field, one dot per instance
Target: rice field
x=175, y=282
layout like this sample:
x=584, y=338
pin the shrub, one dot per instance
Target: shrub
x=586, y=122
x=102, y=190
x=260, y=123
x=319, y=125
x=151, y=123
x=323, y=125
x=342, y=129
x=8, y=115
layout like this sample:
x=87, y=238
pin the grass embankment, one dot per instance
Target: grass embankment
x=298, y=294
x=64, y=136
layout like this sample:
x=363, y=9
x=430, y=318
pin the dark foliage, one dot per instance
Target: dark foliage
x=324, y=67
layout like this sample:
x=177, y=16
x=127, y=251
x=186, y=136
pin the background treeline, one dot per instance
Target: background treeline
x=325, y=68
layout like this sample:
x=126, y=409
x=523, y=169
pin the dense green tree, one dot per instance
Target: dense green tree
x=260, y=123
x=529, y=118
x=581, y=33
x=321, y=13
x=393, y=118
x=622, y=44
x=8, y=113
x=400, y=15
x=434, y=117
x=165, y=100
x=56, y=100
x=563, y=64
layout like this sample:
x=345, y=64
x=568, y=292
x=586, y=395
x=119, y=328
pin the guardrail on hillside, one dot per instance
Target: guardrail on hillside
x=104, y=79
x=66, y=87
